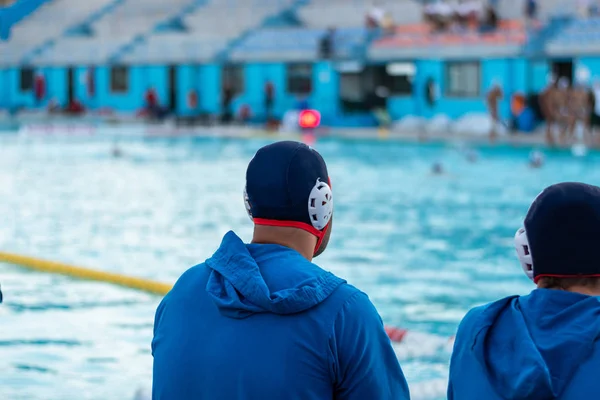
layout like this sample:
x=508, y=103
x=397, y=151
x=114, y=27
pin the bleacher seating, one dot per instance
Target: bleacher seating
x=296, y=44
x=175, y=47
x=47, y=22
x=112, y=31
x=129, y=31
x=581, y=36
x=352, y=13
x=514, y=9
x=416, y=41
x=209, y=30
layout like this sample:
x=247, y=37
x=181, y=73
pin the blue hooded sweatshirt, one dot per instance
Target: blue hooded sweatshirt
x=259, y=321
x=536, y=347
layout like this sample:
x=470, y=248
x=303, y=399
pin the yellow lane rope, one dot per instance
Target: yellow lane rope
x=145, y=285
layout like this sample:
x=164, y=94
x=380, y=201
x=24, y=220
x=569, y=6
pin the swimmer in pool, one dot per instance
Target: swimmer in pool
x=536, y=159
x=437, y=169
x=116, y=151
x=543, y=345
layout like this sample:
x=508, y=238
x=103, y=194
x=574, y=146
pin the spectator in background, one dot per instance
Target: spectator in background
x=583, y=8
x=326, y=45
x=439, y=14
x=595, y=113
x=53, y=106
x=494, y=96
x=490, y=20
x=388, y=25
x=227, y=99
x=269, y=99
x=151, y=100
x=152, y=108
x=531, y=12
x=39, y=88
x=244, y=114
x=75, y=107
x=548, y=107
x=468, y=12
x=375, y=15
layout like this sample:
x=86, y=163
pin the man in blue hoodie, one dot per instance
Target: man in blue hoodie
x=544, y=345
x=260, y=320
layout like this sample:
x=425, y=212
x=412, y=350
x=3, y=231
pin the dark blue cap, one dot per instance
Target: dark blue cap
x=563, y=230
x=279, y=181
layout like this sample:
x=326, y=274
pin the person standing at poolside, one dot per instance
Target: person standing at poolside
x=544, y=345
x=564, y=114
x=260, y=320
x=595, y=112
x=494, y=96
x=548, y=107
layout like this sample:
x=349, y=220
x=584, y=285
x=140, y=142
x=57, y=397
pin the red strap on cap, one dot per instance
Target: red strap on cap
x=295, y=224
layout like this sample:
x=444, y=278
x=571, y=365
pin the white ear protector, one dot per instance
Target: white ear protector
x=524, y=252
x=320, y=205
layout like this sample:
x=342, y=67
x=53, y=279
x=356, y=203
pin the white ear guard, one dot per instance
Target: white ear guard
x=320, y=205
x=524, y=252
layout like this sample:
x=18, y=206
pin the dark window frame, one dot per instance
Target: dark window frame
x=26, y=79
x=464, y=92
x=299, y=82
x=119, y=84
x=234, y=75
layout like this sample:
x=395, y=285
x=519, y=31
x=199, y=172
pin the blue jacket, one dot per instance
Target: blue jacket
x=537, y=347
x=260, y=322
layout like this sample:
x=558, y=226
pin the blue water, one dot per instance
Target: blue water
x=425, y=248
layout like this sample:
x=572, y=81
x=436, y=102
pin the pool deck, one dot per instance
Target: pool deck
x=42, y=125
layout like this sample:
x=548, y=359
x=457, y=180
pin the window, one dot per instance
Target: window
x=27, y=77
x=366, y=87
x=299, y=78
x=463, y=79
x=233, y=77
x=119, y=79
x=398, y=78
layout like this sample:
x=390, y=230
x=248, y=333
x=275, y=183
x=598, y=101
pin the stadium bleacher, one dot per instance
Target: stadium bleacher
x=46, y=23
x=127, y=31
x=581, y=36
x=209, y=30
x=509, y=36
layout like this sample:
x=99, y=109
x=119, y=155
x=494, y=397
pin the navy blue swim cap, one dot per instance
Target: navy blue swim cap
x=287, y=184
x=563, y=231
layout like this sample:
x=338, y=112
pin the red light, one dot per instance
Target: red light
x=309, y=119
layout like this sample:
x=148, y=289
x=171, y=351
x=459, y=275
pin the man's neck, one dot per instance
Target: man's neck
x=293, y=238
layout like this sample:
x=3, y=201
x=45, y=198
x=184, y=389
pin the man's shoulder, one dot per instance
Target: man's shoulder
x=352, y=302
x=483, y=311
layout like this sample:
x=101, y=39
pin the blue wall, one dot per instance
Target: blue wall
x=512, y=74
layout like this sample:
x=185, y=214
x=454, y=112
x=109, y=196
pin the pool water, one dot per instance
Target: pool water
x=425, y=248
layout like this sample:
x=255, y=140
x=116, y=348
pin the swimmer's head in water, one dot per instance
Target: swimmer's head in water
x=536, y=158
x=287, y=185
x=437, y=168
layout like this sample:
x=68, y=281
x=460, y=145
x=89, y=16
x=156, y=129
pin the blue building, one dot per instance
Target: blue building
x=179, y=57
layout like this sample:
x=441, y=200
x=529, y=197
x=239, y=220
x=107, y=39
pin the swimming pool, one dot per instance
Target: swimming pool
x=425, y=248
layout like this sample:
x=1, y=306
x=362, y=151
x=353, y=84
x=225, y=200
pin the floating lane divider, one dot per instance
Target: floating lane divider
x=36, y=264
x=413, y=347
